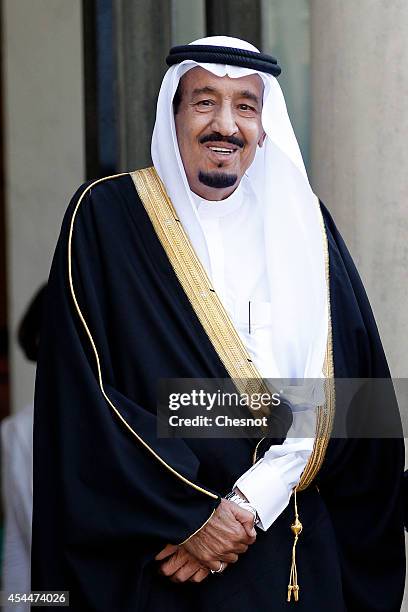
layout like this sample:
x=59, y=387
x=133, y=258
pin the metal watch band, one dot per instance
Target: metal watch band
x=240, y=501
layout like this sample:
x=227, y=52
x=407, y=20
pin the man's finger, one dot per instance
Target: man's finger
x=240, y=548
x=200, y=575
x=246, y=519
x=225, y=559
x=250, y=530
x=166, y=552
x=174, y=563
x=185, y=572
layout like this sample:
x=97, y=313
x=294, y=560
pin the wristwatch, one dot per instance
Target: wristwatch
x=240, y=501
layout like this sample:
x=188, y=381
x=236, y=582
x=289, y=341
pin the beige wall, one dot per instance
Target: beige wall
x=187, y=21
x=44, y=148
x=359, y=147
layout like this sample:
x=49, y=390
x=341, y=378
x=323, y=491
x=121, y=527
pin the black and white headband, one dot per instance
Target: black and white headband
x=209, y=54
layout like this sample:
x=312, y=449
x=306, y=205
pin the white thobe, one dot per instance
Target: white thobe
x=233, y=229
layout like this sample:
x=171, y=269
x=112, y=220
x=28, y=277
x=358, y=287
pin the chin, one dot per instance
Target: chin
x=218, y=179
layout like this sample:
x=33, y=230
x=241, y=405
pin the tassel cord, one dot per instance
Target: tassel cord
x=296, y=527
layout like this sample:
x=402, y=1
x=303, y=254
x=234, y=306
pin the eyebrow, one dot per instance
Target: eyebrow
x=245, y=93
x=201, y=90
x=248, y=94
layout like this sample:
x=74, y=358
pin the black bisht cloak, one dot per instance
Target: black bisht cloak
x=104, y=505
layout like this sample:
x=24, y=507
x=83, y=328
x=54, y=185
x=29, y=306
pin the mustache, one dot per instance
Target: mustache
x=217, y=137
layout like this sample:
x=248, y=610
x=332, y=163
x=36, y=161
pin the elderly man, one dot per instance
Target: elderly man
x=216, y=263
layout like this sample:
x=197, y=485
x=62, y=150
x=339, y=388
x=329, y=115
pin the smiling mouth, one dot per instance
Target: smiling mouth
x=222, y=151
x=226, y=151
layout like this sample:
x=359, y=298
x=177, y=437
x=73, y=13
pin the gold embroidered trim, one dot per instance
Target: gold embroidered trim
x=81, y=316
x=254, y=458
x=196, y=284
x=325, y=414
x=213, y=316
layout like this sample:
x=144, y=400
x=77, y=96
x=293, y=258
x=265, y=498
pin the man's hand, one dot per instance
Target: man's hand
x=180, y=566
x=226, y=535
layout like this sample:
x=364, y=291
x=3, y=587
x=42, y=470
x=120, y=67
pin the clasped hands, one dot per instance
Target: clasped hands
x=227, y=534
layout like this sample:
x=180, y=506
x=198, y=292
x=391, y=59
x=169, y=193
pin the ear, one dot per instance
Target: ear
x=262, y=139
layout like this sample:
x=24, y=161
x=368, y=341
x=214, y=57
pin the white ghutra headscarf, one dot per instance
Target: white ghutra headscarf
x=291, y=217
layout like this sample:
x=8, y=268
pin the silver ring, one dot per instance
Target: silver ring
x=219, y=570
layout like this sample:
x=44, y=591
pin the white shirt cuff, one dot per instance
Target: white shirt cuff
x=269, y=483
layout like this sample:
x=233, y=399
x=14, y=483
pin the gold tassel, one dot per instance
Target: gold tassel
x=296, y=528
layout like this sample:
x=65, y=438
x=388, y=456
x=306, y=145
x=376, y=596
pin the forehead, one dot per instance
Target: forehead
x=198, y=78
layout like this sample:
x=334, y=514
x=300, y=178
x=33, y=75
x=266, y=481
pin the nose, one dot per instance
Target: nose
x=224, y=120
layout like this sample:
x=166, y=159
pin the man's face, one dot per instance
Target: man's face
x=218, y=125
